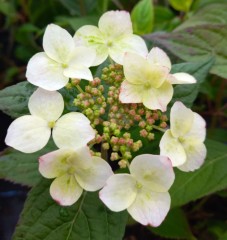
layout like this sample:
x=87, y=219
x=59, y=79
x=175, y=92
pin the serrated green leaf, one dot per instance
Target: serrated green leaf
x=175, y=226
x=181, y=5
x=197, y=44
x=21, y=167
x=210, y=178
x=14, y=99
x=88, y=219
x=143, y=17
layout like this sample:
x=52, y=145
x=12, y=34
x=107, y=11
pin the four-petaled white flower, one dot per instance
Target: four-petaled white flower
x=148, y=80
x=113, y=37
x=61, y=60
x=31, y=133
x=183, y=142
x=144, y=192
x=73, y=170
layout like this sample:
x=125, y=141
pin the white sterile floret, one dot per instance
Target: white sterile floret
x=73, y=170
x=61, y=60
x=144, y=192
x=112, y=37
x=148, y=80
x=183, y=142
x=31, y=133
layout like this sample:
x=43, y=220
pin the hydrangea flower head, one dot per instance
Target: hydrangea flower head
x=183, y=142
x=144, y=192
x=73, y=170
x=61, y=60
x=113, y=37
x=148, y=80
x=31, y=133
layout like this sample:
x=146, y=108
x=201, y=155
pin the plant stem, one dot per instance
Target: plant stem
x=158, y=128
x=79, y=88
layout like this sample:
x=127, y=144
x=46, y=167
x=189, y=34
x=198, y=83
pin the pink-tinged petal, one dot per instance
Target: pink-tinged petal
x=90, y=36
x=58, y=44
x=196, y=154
x=129, y=43
x=181, y=78
x=119, y=192
x=150, y=208
x=197, y=131
x=158, y=98
x=79, y=72
x=46, y=105
x=130, y=93
x=94, y=177
x=65, y=190
x=72, y=130
x=54, y=164
x=158, y=57
x=172, y=148
x=181, y=119
x=153, y=172
x=28, y=134
x=45, y=73
x=115, y=23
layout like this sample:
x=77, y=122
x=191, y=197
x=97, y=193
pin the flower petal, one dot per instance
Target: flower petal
x=196, y=154
x=182, y=78
x=79, y=72
x=119, y=192
x=53, y=164
x=115, y=23
x=153, y=172
x=131, y=93
x=158, y=57
x=92, y=37
x=46, y=105
x=172, y=148
x=150, y=208
x=28, y=134
x=58, y=44
x=158, y=98
x=181, y=119
x=72, y=130
x=45, y=73
x=94, y=177
x=129, y=43
x=65, y=190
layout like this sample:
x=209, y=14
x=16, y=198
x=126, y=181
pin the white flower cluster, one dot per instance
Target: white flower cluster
x=143, y=191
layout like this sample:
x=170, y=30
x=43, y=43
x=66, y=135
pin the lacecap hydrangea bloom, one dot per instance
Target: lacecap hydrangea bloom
x=143, y=192
x=31, y=133
x=61, y=60
x=183, y=142
x=113, y=37
x=148, y=79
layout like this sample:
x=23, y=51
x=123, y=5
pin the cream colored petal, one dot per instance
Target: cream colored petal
x=46, y=105
x=115, y=23
x=72, y=130
x=45, y=73
x=79, y=72
x=150, y=208
x=182, y=78
x=128, y=43
x=28, y=134
x=172, y=148
x=94, y=177
x=58, y=44
x=153, y=172
x=196, y=154
x=158, y=98
x=181, y=119
x=119, y=192
x=131, y=93
x=65, y=190
x=158, y=57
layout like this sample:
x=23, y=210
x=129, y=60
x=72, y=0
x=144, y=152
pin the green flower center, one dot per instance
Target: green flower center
x=51, y=124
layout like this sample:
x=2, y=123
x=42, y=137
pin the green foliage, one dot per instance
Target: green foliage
x=88, y=219
x=143, y=17
x=210, y=178
x=181, y=5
